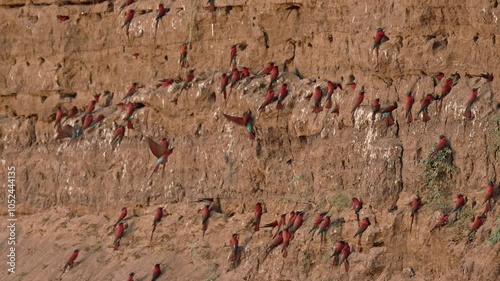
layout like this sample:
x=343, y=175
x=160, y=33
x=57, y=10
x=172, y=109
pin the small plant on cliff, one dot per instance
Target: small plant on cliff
x=494, y=135
x=495, y=235
x=340, y=202
x=437, y=176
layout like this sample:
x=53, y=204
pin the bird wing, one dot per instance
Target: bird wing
x=156, y=148
x=237, y=120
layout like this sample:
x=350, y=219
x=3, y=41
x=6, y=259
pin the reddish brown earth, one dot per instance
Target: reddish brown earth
x=69, y=195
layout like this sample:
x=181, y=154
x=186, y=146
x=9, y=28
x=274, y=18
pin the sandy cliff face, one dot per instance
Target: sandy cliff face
x=71, y=194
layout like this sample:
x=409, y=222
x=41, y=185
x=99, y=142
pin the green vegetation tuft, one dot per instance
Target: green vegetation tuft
x=340, y=202
x=495, y=235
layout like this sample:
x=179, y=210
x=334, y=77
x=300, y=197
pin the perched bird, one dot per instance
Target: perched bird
x=442, y=221
x=436, y=78
x=323, y=228
x=189, y=78
x=72, y=112
x=424, y=107
x=478, y=222
x=330, y=89
x=269, y=99
x=274, y=76
x=161, y=11
x=131, y=108
x=291, y=219
x=487, y=207
x=235, y=77
x=120, y=229
x=317, y=222
x=415, y=206
x=317, y=95
x=362, y=228
x=258, y=215
x=490, y=189
x=282, y=95
x=59, y=116
x=375, y=107
x=131, y=276
x=87, y=121
x=165, y=82
x=97, y=121
x=156, y=220
x=472, y=99
x=389, y=121
x=205, y=214
x=71, y=259
x=445, y=90
x=351, y=83
x=459, y=204
x=234, y=248
x=330, y=38
x=68, y=131
x=441, y=144
x=344, y=255
x=62, y=18
x=246, y=120
x=336, y=252
x=408, y=105
x=90, y=108
x=488, y=76
x=161, y=152
x=379, y=38
x=278, y=240
x=281, y=223
x=232, y=61
x=297, y=221
x=359, y=100
x=118, y=134
x=123, y=215
x=125, y=4
x=357, y=205
x=267, y=69
x=224, y=80
x=244, y=73
x=184, y=55
x=156, y=272
x=131, y=91
x=286, y=241
x=128, y=20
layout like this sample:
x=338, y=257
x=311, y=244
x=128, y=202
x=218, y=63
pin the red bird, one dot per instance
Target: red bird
x=161, y=11
x=317, y=95
x=297, y=222
x=267, y=69
x=88, y=121
x=71, y=259
x=424, y=107
x=317, y=222
x=416, y=204
x=165, y=82
x=442, y=143
x=330, y=89
x=488, y=76
x=131, y=91
x=459, y=203
x=62, y=18
x=205, y=214
x=351, y=83
x=161, y=152
x=72, y=112
x=234, y=248
x=59, y=116
x=436, y=78
x=490, y=189
x=244, y=73
x=380, y=38
x=278, y=239
x=189, y=78
x=97, y=121
x=274, y=75
x=235, y=77
x=211, y=8
x=118, y=134
x=388, y=112
x=291, y=219
x=157, y=219
x=445, y=90
x=487, y=207
x=359, y=100
x=269, y=98
x=281, y=223
x=336, y=252
x=323, y=228
x=283, y=94
x=409, y=104
x=120, y=229
x=184, y=55
x=272, y=225
x=286, y=241
x=128, y=20
x=375, y=107
x=90, y=107
x=131, y=107
x=472, y=99
x=246, y=120
x=362, y=227
x=224, y=80
x=258, y=215
x=357, y=205
x=123, y=215
x=232, y=61
x=156, y=272
x=344, y=255
x=442, y=221
x=125, y=4
x=131, y=276
x=478, y=222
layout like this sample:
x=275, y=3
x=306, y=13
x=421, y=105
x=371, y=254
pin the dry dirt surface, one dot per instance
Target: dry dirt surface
x=69, y=193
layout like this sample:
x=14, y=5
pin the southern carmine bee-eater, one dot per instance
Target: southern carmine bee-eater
x=323, y=228
x=184, y=55
x=375, y=107
x=317, y=222
x=362, y=228
x=59, y=116
x=118, y=134
x=379, y=38
x=71, y=259
x=408, y=105
x=244, y=72
x=351, y=83
x=445, y=90
x=96, y=121
x=211, y=6
x=291, y=219
x=330, y=89
x=72, y=112
x=344, y=255
x=161, y=11
x=165, y=82
x=460, y=202
x=490, y=190
x=258, y=215
x=275, y=72
x=281, y=224
x=128, y=20
x=317, y=96
x=205, y=214
x=270, y=97
x=156, y=220
x=436, y=78
x=131, y=276
x=271, y=225
x=123, y=215
x=283, y=93
x=232, y=59
x=424, y=107
x=286, y=241
x=337, y=251
x=278, y=239
x=125, y=4
x=357, y=205
x=297, y=222
x=161, y=152
x=415, y=207
x=185, y=84
x=235, y=77
x=442, y=221
x=62, y=18
x=120, y=229
x=131, y=108
x=131, y=91
x=234, y=248
x=87, y=121
x=224, y=80
x=156, y=272
x=359, y=100
x=267, y=69
x=246, y=120
x=389, y=119
x=478, y=222
x=441, y=144
x=468, y=107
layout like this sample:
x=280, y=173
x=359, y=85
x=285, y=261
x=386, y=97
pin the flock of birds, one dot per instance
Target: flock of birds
x=285, y=229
